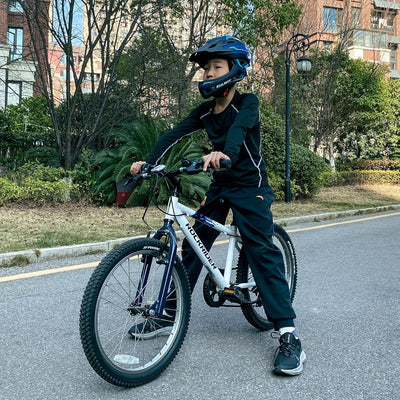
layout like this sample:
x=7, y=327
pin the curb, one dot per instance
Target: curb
x=25, y=257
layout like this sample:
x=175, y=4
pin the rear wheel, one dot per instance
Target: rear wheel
x=254, y=313
x=121, y=294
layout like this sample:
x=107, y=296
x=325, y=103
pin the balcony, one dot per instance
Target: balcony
x=387, y=4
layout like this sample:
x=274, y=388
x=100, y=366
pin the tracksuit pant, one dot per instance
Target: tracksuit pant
x=253, y=217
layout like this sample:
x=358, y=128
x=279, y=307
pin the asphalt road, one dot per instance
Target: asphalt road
x=347, y=305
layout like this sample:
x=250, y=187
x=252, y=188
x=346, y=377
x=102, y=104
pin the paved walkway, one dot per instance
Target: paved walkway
x=53, y=253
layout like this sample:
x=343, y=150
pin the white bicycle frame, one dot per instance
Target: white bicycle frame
x=177, y=211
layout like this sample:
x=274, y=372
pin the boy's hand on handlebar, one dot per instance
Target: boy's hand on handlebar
x=213, y=159
x=135, y=168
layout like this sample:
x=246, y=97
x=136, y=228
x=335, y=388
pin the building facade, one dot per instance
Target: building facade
x=369, y=28
x=18, y=68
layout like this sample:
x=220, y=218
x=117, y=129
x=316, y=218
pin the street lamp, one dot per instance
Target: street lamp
x=296, y=44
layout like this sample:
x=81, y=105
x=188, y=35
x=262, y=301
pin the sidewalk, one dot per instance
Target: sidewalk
x=53, y=253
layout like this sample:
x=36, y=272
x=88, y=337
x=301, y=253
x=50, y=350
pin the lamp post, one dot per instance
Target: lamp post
x=296, y=44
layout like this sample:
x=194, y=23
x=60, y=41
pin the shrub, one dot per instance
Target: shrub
x=277, y=184
x=37, y=183
x=27, y=134
x=134, y=141
x=8, y=191
x=330, y=178
x=83, y=175
x=43, y=155
x=43, y=192
x=38, y=171
x=305, y=166
x=305, y=171
x=360, y=177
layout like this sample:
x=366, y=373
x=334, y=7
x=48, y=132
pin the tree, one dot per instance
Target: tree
x=107, y=29
x=261, y=24
x=157, y=63
x=306, y=166
x=394, y=118
x=159, y=59
x=362, y=99
x=341, y=106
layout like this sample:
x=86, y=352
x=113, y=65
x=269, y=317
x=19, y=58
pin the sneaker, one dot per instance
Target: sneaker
x=289, y=357
x=151, y=328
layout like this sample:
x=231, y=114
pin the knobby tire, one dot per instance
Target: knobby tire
x=107, y=314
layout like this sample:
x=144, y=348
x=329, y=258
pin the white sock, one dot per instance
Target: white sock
x=288, y=329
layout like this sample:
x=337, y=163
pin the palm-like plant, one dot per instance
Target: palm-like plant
x=134, y=142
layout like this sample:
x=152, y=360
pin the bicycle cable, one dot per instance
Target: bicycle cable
x=153, y=197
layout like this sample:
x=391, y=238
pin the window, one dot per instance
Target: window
x=393, y=58
x=332, y=19
x=370, y=39
x=14, y=93
x=16, y=6
x=15, y=38
x=382, y=20
x=63, y=59
x=355, y=17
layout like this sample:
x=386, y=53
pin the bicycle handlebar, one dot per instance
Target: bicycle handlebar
x=194, y=167
x=188, y=168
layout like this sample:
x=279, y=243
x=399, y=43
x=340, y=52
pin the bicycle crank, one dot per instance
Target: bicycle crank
x=210, y=293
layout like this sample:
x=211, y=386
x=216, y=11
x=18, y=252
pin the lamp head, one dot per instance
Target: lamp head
x=303, y=64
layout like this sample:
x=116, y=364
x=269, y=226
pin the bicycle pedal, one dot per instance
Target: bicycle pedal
x=234, y=295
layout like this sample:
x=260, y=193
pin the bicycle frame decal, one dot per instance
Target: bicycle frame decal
x=178, y=212
x=203, y=219
x=200, y=244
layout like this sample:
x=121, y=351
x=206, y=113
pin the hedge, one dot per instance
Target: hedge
x=37, y=191
x=360, y=177
x=8, y=191
x=40, y=184
x=376, y=165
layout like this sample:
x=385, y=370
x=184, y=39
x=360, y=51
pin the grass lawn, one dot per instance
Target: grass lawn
x=27, y=227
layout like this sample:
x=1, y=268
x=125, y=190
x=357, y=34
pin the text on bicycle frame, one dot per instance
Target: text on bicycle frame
x=201, y=245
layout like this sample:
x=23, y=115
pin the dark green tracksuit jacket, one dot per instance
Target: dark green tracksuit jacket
x=244, y=189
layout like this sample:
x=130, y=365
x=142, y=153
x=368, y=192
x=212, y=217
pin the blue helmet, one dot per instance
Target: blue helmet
x=231, y=49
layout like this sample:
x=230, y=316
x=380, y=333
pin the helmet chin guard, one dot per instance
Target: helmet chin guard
x=219, y=87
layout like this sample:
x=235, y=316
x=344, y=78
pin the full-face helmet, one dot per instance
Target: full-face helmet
x=231, y=49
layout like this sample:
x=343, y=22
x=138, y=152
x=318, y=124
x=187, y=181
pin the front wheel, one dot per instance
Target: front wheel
x=122, y=293
x=254, y=313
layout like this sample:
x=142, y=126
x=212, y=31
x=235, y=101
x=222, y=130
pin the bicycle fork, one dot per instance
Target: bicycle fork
x=157, y=308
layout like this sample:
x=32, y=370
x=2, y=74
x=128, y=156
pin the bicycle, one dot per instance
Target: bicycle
x=143, y=280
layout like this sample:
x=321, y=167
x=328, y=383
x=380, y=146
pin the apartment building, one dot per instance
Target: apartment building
x=18, y=68
x=370, y=28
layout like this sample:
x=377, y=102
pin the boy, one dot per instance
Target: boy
x=232, y=123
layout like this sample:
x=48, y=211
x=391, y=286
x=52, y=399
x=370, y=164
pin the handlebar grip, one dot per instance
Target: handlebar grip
x=226, y=164
x=145, y=168
x=223, y=164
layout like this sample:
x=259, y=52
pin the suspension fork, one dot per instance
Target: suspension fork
x=158, y=307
